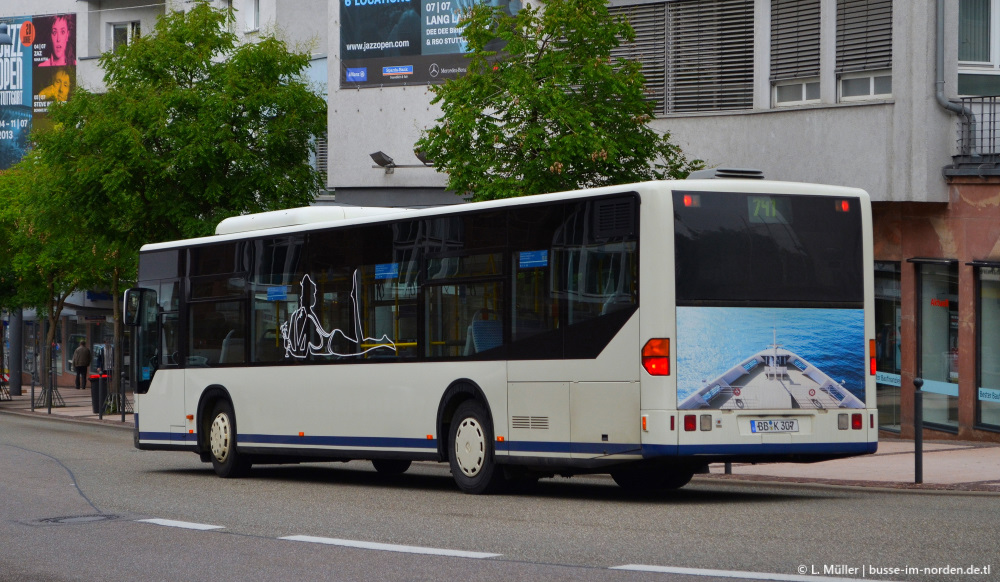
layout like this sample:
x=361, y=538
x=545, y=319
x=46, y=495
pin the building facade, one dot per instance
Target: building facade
x=885, y=95
x=893, y=96
x=92, y=28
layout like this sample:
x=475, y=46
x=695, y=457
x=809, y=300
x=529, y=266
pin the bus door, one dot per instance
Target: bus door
x=154, y=366
x=141, y=314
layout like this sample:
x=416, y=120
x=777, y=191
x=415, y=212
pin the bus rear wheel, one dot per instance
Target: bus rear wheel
x=226, y=458
x=471, y=454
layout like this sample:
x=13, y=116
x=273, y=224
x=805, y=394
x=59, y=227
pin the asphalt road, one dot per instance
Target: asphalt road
x=75, y=501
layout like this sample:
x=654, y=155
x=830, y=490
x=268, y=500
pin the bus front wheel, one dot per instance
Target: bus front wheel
x=226, y=459
x=471, y=454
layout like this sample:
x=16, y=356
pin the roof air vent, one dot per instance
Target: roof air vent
x=726, y=174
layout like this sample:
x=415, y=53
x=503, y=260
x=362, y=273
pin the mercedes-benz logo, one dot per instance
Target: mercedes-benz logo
x=434, y=70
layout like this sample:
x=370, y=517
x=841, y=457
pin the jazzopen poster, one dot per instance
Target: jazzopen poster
x=404, y=42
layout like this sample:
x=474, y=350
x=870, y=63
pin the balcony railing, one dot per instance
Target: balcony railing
x=979, y=137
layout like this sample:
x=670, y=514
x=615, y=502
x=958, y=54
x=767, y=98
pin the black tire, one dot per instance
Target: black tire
x=649, y=479
x=226, y=458
x=471, y=453
x=391, y=466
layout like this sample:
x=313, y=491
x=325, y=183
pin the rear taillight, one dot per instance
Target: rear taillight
x=656, y=357
x=871, y=357
x=856, y=421
x=690, y=422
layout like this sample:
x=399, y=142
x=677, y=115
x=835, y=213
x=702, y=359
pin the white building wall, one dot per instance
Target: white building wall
x=894, y=148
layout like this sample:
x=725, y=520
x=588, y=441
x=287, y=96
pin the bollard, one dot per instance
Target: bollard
x=918, y=431
x=101, y=391
x=52, y=384
x=32, y=391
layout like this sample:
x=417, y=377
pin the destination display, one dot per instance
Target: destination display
x=404, y=42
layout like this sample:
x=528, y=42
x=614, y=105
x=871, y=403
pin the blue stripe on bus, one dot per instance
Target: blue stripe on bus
x=648, y=451
x=601, y=448
x=339, y=441
x=775, y=449
x=168, y=436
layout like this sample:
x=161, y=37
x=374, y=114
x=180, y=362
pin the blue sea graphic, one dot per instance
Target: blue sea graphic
x=711, y=340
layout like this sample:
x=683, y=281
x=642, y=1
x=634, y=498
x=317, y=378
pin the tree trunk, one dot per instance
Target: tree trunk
x=119, y=344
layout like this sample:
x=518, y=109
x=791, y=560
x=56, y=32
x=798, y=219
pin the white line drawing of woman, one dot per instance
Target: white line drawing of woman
x=303, y=334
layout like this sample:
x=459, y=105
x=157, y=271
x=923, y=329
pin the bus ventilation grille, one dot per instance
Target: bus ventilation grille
x=726, y=174
x=530, y=422
x=614, y=217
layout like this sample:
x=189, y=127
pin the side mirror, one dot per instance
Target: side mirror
x=133, y=306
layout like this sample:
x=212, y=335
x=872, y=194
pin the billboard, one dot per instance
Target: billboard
x=403, y=42
x=37, y=68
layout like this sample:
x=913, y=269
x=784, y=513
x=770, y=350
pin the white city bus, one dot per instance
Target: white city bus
x=643, y=330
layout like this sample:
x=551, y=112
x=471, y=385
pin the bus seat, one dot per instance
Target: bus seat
x=232, y=349
x=486, y=334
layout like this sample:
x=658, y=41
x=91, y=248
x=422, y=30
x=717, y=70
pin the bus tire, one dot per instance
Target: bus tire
x=471, y=453
x=391, y=466
x=648, y=479
x=226, y=458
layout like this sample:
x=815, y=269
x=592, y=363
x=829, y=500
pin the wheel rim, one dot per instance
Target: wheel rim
x=219, y=437
x=470, y=447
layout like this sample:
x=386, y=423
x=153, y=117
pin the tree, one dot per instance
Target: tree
x=552, y=112
x=193, y=128
x=50, y=256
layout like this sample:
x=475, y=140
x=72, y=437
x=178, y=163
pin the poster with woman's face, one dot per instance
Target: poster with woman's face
x=55, y=41
x=54, y=59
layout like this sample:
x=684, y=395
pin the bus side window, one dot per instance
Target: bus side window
x=218, y=329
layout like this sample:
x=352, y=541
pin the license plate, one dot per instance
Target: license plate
x=761, y=426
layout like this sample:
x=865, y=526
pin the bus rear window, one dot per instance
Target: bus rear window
x=742, y=249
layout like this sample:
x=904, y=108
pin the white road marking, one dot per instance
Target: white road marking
x=733, y=574
x=391, y=547
x=181, y=524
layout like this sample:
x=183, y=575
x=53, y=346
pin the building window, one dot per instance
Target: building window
x=123, y=33
x=937, y=341
x=988, y=331
x=795, y=26
x=864, y=49
x=710, y=55
x=322, y=159
x=649, y=21
x=252, y=8
x=979, y=47
x=696, y=55
x=888, y=353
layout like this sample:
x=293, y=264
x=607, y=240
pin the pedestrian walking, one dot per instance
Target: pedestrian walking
x=81, y=361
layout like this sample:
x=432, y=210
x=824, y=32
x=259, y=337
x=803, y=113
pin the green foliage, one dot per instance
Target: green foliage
x=193, y=128
x=49, y=253
x=552, y=112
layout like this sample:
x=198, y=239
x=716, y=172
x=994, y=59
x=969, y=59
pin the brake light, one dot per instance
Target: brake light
x=692, y=200
x=871, y=357
x=843, y=206
x=856, y=422
x=690, y=422
x=656, y=357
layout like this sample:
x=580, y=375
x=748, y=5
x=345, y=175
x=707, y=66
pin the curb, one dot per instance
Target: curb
x=831, y=484
x=60, y=418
